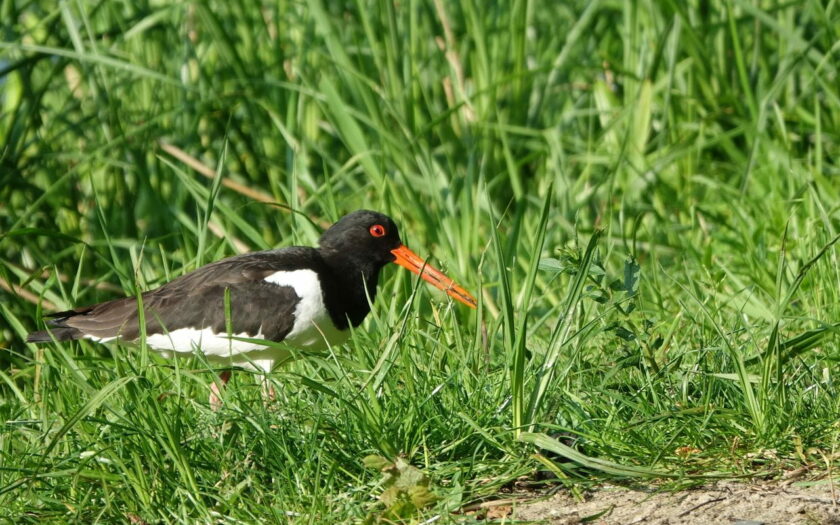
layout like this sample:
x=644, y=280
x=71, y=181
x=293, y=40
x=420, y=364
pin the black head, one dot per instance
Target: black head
x=365, y=237
x=359, y=245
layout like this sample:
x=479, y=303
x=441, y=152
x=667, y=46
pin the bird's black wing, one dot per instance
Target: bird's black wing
x=197, y=300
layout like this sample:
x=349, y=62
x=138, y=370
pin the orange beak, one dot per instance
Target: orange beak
x=415, y=264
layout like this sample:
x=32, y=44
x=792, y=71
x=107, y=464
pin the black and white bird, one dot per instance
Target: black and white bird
x=305, y=297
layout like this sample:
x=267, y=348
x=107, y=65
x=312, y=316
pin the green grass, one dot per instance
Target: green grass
x=643, y=195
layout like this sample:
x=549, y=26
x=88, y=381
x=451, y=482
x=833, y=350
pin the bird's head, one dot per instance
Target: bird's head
x=371, y=240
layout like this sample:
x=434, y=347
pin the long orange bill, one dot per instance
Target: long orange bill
x=412, y=262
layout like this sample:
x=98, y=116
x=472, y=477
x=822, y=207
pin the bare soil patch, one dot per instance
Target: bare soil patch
x=760, y=503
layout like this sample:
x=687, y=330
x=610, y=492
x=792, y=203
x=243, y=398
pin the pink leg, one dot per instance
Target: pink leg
x=216, y=390
x=268, y=393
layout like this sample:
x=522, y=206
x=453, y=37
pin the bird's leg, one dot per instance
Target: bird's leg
x=268, y=392
x=216, y=390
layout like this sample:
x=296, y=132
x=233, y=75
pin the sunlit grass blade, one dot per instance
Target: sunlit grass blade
x=563, y=327
x=552, y=445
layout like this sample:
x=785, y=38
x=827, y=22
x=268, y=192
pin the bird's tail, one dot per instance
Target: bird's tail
x=59, y=333
x=58, y=330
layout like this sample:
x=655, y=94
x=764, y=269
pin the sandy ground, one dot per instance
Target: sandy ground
x=759, y=503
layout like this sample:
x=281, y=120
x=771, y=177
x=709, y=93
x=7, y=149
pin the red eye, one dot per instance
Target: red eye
x=377, y=230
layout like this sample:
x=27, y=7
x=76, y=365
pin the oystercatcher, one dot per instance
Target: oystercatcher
x=305, y=297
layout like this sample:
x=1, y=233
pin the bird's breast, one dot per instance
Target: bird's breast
x=313, y=328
